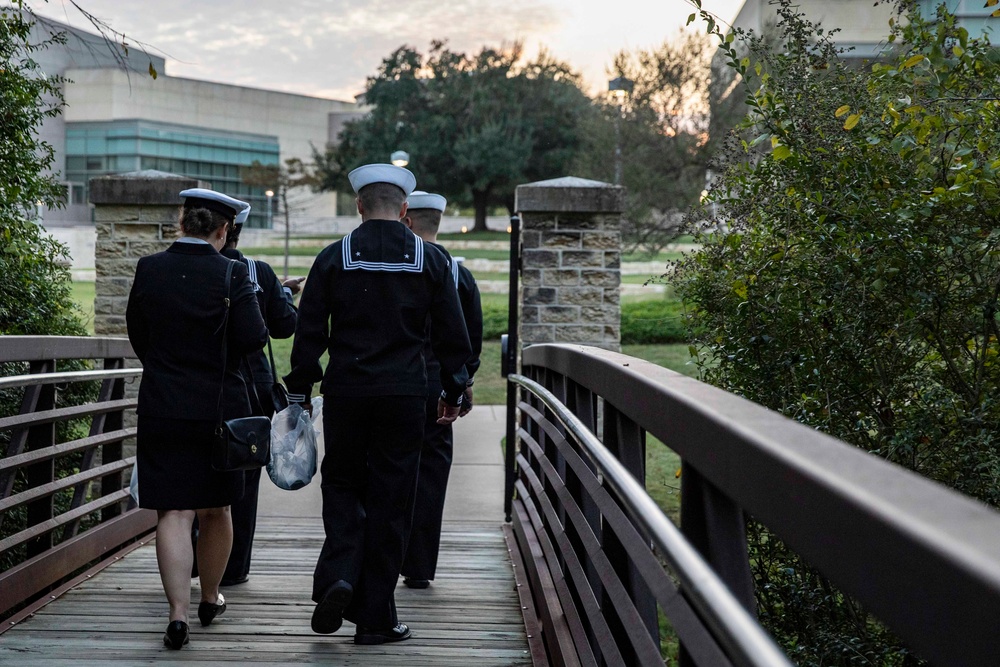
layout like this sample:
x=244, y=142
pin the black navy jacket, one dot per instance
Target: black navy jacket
x=276, y=308
x=366, y=302
x=174, y=317
x=472, y=311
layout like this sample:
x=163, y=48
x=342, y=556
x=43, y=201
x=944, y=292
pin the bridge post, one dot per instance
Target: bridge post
x=135, y=215
x=571, y=262
x=570, y=284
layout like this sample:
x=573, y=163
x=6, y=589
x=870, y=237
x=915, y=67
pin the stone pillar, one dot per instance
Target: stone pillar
x=135, y=215
x=570, y=262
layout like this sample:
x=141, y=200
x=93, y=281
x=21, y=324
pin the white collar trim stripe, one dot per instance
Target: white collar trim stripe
x=352, y=263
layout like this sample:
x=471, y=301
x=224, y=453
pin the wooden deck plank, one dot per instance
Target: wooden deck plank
x=470, y=616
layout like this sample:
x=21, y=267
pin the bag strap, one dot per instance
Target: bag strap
x=225, y=340
x=270, y=356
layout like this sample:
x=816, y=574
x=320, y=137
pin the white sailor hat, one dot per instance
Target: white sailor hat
x=214, y=201
x=242, y=216
x=421, y=199
x=383, y=173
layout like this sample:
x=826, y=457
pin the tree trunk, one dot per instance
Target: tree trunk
x=288, y=226
x=480, y=201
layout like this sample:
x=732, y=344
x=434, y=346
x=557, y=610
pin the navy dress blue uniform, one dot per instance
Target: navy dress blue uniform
x=424, y=534
x=366, y=301
x=174, y=316
x=279, y=315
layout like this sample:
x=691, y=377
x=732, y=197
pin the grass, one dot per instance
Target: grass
x=628, y=278
x=83, y=294
x=495, y=254
x=475, y=236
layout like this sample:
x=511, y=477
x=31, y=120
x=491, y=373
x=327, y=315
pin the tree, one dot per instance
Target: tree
x=858, y=290
x=35, y=294
x=667, y=128
x=474, y=126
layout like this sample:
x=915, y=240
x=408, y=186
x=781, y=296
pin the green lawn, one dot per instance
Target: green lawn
x=499, y=237
x=83, y=294
x=496, y=254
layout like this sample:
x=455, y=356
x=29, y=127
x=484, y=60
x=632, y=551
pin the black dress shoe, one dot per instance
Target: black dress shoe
x=329, y=613
x=208, y=611
x=176, y=635
x=371, y=636
x=416, y=583
x=235, y=582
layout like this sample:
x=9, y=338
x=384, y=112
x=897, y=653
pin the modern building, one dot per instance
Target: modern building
x=118, y=118
x=863, y=25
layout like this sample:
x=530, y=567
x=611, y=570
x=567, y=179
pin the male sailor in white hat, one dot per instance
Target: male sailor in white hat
x=423, y=217
x=367, y=301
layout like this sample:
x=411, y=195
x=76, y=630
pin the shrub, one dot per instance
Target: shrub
x=857, y=288
x=35, y=296
x=653, y=322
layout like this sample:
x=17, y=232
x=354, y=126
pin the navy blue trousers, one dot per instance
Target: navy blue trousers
x=369, y=474
x=424, y=535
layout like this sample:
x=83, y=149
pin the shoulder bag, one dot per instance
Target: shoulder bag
x=279, y=395
x=243, y=443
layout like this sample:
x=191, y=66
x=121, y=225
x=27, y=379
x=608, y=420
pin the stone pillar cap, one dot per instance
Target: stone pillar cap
x=148, y=187
x=569, y=194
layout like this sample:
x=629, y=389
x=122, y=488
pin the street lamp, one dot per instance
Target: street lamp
x=269, y=194
x=400, y=158
x=621, y=88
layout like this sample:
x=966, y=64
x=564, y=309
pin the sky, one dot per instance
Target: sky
x=328, y=48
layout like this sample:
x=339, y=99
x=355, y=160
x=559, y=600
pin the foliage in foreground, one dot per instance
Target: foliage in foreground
x=35, y=294
x=858, y=289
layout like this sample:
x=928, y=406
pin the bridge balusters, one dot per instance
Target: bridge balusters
x=627, y=442
x=112, y=451
x=40, y=436
x=583, y=403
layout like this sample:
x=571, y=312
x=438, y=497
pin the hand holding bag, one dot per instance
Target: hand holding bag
x=243, y=443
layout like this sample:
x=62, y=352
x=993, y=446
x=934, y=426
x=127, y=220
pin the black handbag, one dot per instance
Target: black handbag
x=243, y=443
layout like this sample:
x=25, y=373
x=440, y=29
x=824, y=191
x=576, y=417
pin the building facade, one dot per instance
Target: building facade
x=119, y=119
x=864, y=26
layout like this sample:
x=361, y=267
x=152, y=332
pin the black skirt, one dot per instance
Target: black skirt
x=174, y=468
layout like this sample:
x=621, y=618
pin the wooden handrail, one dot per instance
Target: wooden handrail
x=921, y=557
x=94, y=466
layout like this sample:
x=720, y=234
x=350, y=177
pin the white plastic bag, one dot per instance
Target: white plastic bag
x=317, y=417
x=133, y=485
x=293, y=447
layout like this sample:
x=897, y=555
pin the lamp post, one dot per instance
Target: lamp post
x=269, y=194
x=621, y=88
x=400, y=158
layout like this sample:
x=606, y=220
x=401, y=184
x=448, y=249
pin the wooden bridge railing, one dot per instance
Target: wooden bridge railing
x=64, y=501
x=921, y=557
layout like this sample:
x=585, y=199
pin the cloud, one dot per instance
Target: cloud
x=309, y=46
x=330, y=47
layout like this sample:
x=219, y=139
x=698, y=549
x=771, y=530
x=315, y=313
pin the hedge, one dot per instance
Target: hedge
x=654, y=322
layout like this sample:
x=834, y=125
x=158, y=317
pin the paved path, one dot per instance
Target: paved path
x=469, y=616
